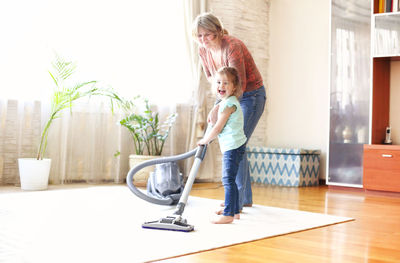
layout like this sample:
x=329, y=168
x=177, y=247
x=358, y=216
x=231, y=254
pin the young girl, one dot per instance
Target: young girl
x=232, y=141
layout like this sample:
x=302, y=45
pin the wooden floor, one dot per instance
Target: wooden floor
x=374, y=236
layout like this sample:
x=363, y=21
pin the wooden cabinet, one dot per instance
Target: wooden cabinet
x=365, y=49
x=381, y=167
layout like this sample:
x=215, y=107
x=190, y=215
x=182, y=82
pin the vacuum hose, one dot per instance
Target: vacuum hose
x=160, y=201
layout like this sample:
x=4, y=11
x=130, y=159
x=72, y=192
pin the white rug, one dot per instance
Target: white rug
x=103, y=224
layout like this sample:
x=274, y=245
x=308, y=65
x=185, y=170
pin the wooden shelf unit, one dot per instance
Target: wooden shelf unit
x=381, y=163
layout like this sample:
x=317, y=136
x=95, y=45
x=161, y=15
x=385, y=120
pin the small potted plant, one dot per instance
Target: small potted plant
x=148, y=133
x=34, y=172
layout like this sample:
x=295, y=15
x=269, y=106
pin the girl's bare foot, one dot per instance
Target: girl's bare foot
x=221, y=211
x=223, y=220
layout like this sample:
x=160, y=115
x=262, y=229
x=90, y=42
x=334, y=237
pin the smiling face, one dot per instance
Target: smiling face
x=208, y=39
x=225, y=87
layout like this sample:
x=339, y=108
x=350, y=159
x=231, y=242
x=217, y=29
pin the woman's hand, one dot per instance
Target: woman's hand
x=217, y=128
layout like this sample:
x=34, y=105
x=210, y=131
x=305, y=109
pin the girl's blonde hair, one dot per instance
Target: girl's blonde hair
x=209, y=22
x=233, y=76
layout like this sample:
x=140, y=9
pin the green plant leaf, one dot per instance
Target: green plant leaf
x=63, y=95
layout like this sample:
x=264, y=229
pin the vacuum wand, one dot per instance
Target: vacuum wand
x=201, y=152
x=175, y=222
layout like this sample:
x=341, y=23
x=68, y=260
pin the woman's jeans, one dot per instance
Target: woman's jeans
x=252, y=103
x=230, y=166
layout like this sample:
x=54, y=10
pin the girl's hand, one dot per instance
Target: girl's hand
x=202, y=142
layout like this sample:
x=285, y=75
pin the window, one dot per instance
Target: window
x=136, y=47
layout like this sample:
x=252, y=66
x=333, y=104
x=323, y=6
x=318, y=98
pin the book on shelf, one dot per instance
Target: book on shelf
x=387, y=6
x=381, y=8
x=395, y=5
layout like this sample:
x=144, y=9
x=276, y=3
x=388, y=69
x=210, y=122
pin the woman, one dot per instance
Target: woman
x=218, y=49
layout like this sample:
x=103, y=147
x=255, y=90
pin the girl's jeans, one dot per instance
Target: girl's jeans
x=230, y=166
x=252, y=103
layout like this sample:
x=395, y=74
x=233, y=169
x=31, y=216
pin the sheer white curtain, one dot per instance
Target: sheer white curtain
x=19, y=135
x=200, y=107
x=135, y=47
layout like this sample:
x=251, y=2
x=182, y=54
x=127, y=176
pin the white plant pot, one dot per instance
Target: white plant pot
x=33, y=173
x=141, y=177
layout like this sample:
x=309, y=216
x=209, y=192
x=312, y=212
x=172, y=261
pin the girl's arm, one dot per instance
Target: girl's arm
x=219, y=125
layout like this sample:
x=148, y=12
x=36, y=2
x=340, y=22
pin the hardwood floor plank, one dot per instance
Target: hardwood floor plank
x=374, y=236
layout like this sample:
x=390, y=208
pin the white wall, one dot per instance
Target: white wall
x=298, y=92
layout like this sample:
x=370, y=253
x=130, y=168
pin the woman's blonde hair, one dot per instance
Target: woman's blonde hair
x=233, y=76
x=209, y=22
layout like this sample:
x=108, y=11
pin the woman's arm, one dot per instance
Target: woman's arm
x=213, y=115
x=219, y=125
x=204, y=64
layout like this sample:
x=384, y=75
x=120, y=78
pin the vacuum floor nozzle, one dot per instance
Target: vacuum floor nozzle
x=173, y=223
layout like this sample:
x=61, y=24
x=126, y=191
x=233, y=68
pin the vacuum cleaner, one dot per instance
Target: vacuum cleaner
x=165, y=181
x=174, y=222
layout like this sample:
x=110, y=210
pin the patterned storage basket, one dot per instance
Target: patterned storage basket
x=284, y=167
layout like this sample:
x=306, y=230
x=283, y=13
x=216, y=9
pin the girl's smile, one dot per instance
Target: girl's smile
x=221, y=92
x=225, y=87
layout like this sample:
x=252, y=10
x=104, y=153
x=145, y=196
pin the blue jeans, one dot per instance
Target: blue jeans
x=252, y=103
x=230, y=166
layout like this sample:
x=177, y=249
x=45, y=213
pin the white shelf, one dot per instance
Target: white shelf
x=387, y=56
x=387, y=14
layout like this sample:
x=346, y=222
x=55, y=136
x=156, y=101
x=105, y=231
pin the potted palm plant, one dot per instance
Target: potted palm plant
x=148, y=133
x=34, y=172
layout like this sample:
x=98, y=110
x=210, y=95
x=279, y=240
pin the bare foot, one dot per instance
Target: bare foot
x=221, y=211
x=223, y=220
